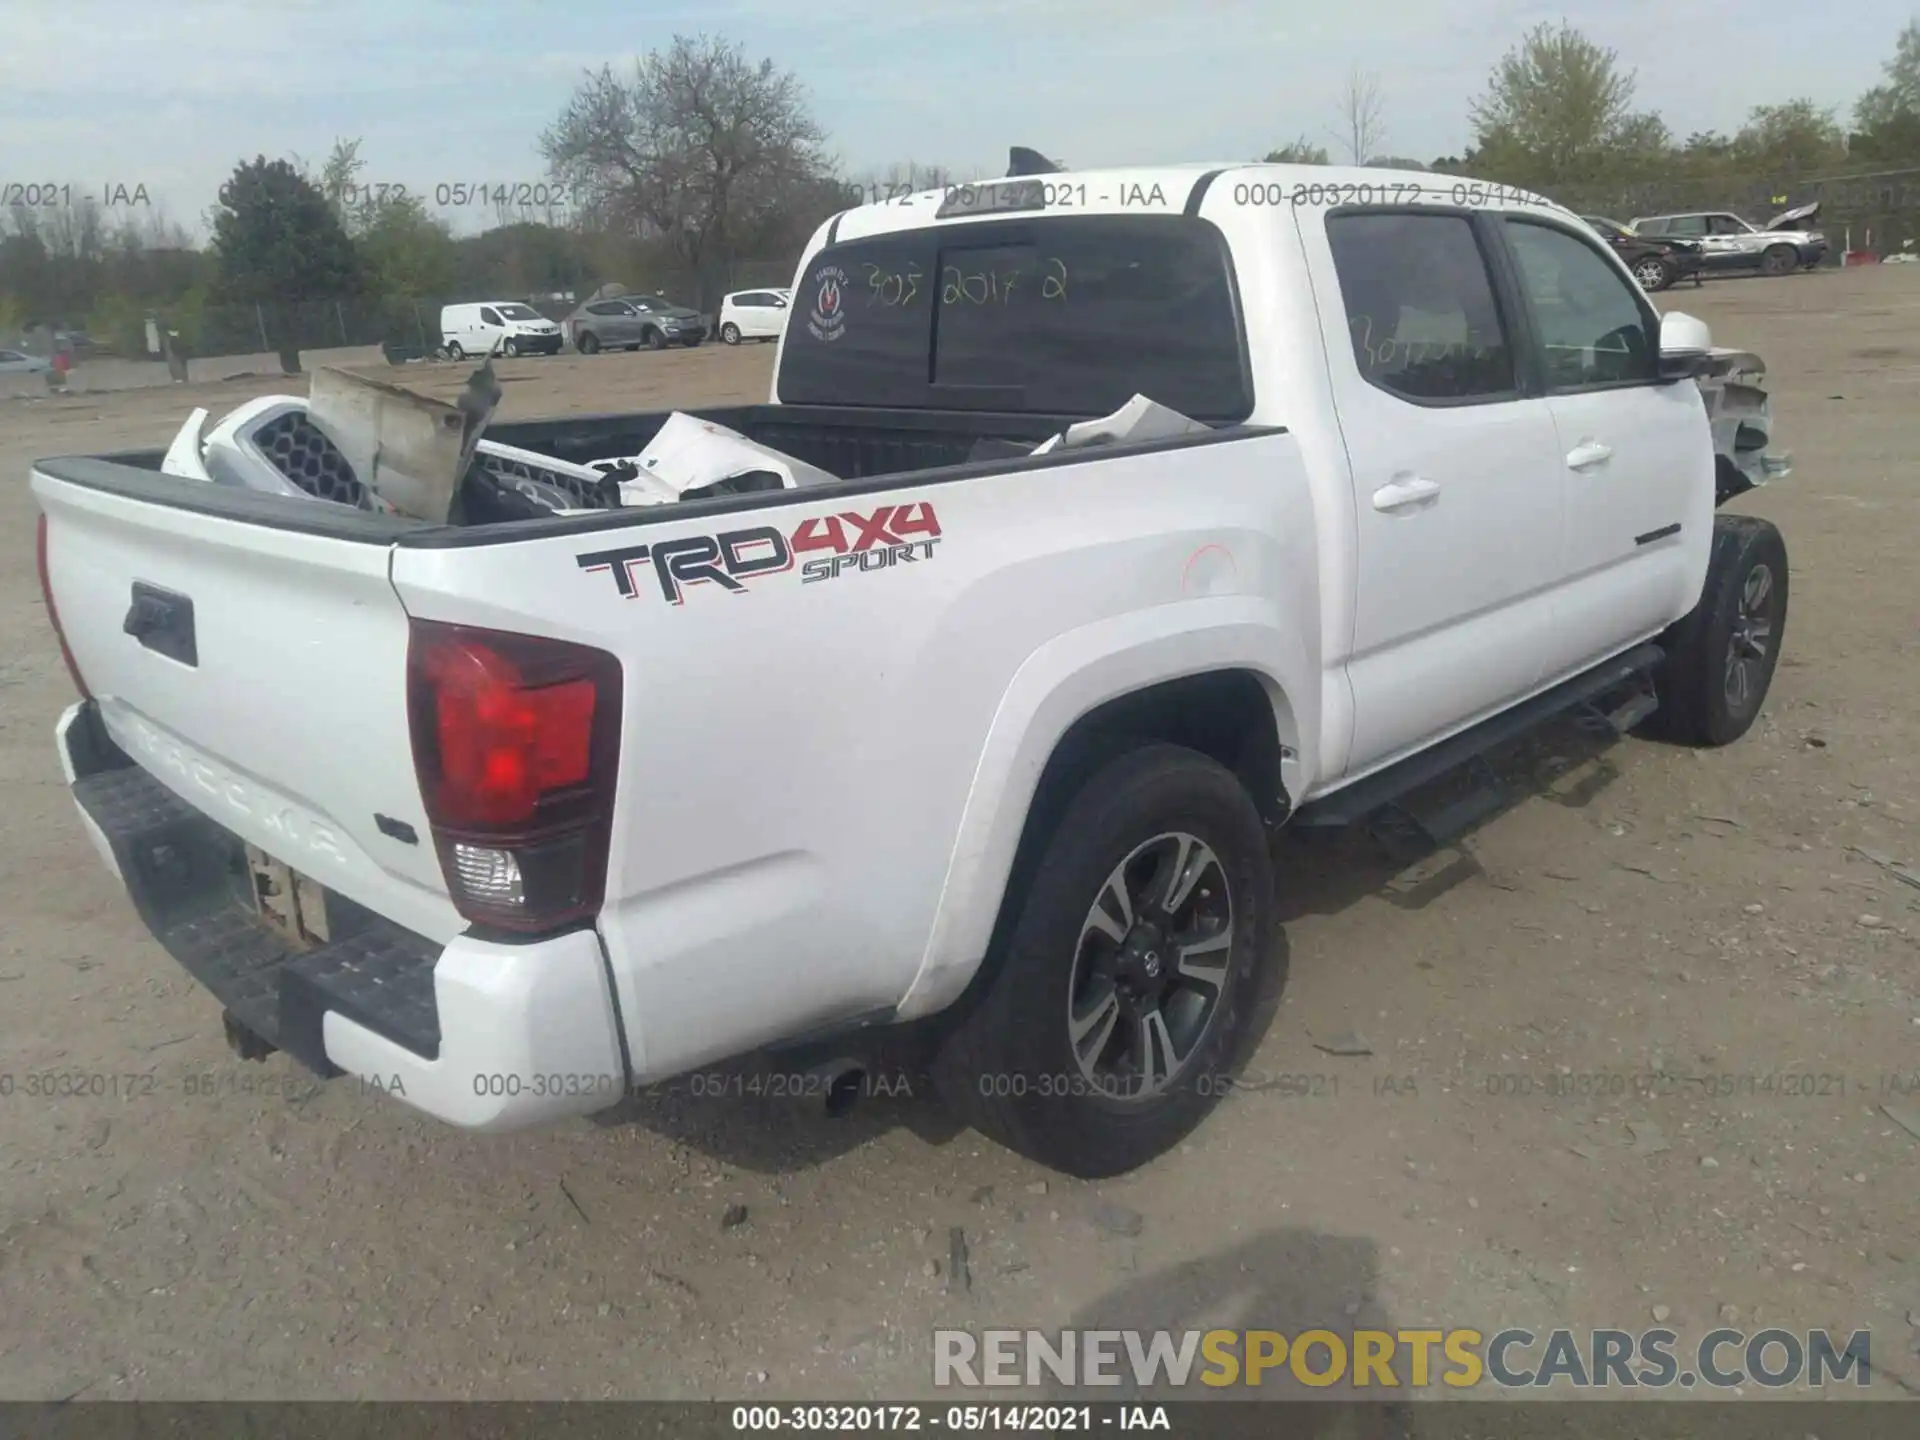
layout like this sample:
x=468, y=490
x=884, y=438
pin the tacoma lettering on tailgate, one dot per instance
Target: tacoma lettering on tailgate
x=891, y=535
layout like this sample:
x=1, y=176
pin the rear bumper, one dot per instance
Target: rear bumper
x=483, y=1036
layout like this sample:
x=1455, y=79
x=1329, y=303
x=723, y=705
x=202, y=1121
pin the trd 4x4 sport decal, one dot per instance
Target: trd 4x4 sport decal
x=733, y=557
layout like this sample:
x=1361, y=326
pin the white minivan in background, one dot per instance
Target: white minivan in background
x=753, y=315
x=505, y=326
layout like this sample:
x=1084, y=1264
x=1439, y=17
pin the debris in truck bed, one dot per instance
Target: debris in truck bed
x=1138, y=420
x=690, y=454
x=381, y=447
x=411, y=451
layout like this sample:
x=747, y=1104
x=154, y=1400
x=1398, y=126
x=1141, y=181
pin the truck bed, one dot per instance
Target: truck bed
x=853, y=443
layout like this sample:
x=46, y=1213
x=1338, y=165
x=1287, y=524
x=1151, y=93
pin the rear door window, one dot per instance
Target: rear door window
x=1069, y=315
x=1420, y=307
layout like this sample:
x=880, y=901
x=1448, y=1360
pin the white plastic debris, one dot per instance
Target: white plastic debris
x=1140, y=419
x=183, y=457
x=232, y=454
x=690, y=454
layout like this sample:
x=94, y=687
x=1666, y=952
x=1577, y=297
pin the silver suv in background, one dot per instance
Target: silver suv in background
x=18, y=362
x=626, y=322
x=1729, y=243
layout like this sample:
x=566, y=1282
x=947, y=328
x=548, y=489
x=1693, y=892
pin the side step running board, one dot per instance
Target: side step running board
x=1366, y=798
x=1622, y=718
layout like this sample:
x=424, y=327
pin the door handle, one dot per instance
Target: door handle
x=1587, y=454
x=1403, y=494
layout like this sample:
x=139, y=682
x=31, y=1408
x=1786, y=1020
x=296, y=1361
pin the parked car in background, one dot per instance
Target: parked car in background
x=626, y=322
x=1727, y=242
x=17, y=362
x=1656, y=264
x=503, y=327
x=753, y=315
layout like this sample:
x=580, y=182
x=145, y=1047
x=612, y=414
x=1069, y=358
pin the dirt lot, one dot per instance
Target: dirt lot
x=1648, y=911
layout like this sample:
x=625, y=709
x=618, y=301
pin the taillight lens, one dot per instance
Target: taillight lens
x=53, y=611
x=516, y=742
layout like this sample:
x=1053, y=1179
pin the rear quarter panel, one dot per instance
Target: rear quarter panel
x=817, y=776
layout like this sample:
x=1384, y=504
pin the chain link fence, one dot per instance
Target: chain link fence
x=406, y=326
x=1875, y=210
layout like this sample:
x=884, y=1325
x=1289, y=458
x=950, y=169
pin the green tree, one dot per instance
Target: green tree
x=1887, y=118
x=1794, y=137
x=1558, y=110
x=404, y=250
x=1900, y=93
x=1301, y=151
x=339, y=181
x=277, y=238
x=524, y=258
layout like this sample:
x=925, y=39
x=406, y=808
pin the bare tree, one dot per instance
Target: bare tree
x=78, y=231
x=902, y=177
x=701, y=147
x=1362, y=130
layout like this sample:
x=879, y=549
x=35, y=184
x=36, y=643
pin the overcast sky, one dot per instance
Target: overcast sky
x=170, y=94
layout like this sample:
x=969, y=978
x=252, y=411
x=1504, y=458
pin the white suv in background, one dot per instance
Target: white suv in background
x=753, y=315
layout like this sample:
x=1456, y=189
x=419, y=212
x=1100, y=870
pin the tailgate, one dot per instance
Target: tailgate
x=259, y=672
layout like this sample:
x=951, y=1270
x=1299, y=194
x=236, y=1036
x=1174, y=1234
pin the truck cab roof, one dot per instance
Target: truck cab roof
x=1170, y=189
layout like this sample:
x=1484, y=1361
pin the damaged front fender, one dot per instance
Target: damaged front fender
x=1733, y=384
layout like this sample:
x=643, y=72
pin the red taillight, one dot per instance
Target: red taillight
x=516, y=742
x=53, y=611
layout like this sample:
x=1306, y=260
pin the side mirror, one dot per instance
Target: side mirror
x=1684, y=346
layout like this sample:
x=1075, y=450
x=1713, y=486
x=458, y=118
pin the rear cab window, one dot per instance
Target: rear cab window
x=1069, y=315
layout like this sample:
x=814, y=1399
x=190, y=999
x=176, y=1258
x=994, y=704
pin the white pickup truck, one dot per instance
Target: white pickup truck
x=512, y=817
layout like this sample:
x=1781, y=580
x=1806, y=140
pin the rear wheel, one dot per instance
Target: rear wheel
x=730, y=333
x=588, y=343
x=1653, y=273
x=454, y=352
x=1779, y=260
x=1118, y=1007
x=1720, y=659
